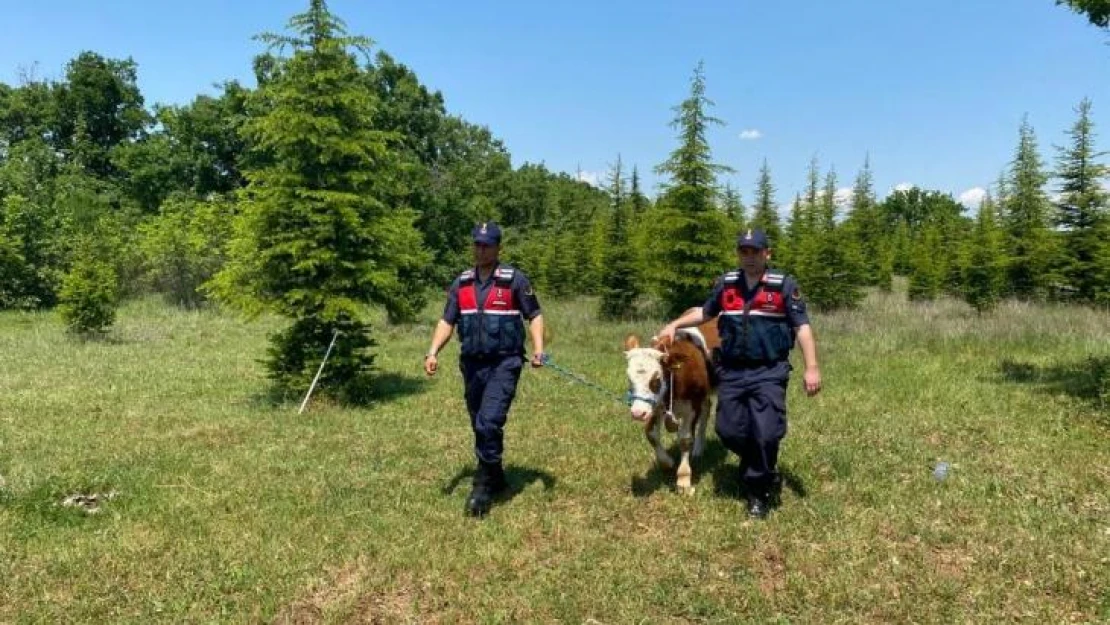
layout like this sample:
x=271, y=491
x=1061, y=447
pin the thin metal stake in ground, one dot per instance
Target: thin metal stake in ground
x=316, y=379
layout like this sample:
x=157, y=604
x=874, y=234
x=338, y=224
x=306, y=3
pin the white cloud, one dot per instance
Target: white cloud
x=973, y=197
x=592, y=178
x=843, y=197
x=751, y=134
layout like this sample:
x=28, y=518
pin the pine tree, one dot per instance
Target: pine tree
x=639, y=230
x=563, y=255
x=91, y=287
x=985, y=273
x=620, y=282
x=90, y=290
x=1083, y=203
x=834, y=276
x=800, y=258
x=636, y=197
x=698, y=241
x=928, y=264
x=866, y=227
x=766, y=214
x=733, y=207
x=316, y=242
x=902, y=248
x=813, y=196
x=1102, y=264
x=785, y=257
x=1027, y=210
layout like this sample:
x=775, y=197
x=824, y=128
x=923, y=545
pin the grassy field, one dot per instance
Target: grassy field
x=228, y=508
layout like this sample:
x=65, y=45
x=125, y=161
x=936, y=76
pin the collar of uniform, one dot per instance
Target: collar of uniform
x=742, y=279
x=492, y=274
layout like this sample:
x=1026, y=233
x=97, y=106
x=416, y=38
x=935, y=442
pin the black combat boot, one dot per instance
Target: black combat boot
x=480, y=499
x=759, y=504
x=760, y=497
x=497, y=483
x=489, y=481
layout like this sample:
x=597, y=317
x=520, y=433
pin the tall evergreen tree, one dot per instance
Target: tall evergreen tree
x=1082, y=204
x=698, y=241
x=928, y=264
x=620, y=282
x=1102, y=264
x=901, y=246
x=766, y=214
x=801, y=251
x=733, y=207
x=784, y=257
x=866, y=227
x=813, y=196
x=1034, y=253
x=834, y=278
x=316, y=241
x=636, y=196
x=985, y=273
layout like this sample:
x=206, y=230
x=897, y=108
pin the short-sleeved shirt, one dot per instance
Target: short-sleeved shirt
x=796, y=314
x=523, y=294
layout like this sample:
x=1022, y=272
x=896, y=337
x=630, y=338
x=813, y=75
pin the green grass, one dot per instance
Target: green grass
x=232, y=509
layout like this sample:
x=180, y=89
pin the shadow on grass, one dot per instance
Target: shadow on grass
x=726, y=483
x=1087, y=380
x=389, y=386
x=657, y=478
x=518, y=478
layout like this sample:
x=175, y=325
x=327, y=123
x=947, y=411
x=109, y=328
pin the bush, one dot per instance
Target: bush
x=89, y=294
x=184, y=246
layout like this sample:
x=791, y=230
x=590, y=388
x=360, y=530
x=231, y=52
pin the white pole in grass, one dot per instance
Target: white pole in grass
x=316, y=379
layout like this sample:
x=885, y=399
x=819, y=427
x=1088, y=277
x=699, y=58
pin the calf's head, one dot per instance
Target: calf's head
x=645, y=370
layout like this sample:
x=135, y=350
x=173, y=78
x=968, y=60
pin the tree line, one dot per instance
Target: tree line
x=340, y=182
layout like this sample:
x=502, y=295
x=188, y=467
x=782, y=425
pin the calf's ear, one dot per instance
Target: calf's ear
x=660, y=343
x=631, y=342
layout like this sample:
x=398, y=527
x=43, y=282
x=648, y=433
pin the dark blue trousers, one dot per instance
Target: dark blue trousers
x=490, y=386
x=751, y=418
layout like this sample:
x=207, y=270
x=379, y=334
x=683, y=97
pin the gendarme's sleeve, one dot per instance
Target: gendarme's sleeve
x=712, y=306
x=525, y=295
x=795, y=303
x=451, y=308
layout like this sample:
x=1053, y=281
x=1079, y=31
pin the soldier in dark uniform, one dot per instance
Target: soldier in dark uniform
x=760, y=315
x=489, y=304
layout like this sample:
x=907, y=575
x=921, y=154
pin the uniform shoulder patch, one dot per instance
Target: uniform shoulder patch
x=466, y=276
x=731, y=276
x=504, y=274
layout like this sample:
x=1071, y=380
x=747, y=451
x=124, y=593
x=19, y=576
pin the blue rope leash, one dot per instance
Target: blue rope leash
x=626, y=400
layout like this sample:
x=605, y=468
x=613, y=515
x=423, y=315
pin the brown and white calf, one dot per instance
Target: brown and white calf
x=677, y=377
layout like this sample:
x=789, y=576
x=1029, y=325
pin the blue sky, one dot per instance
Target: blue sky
x=934, y=91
